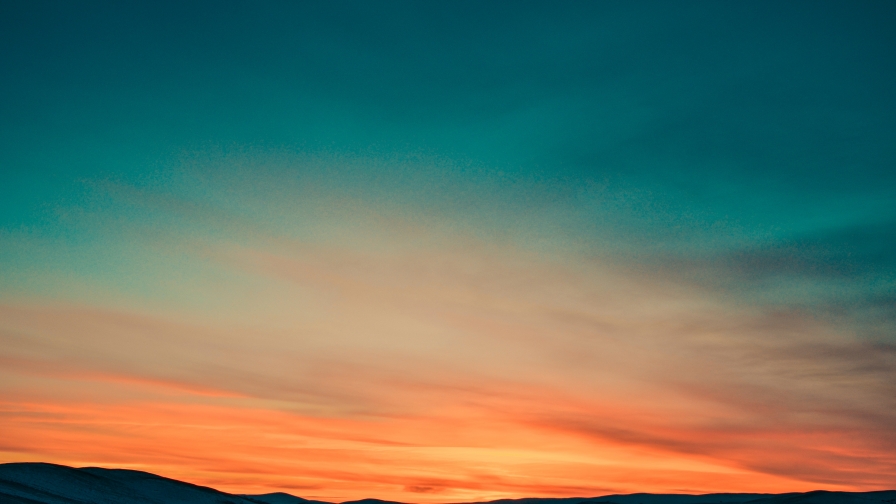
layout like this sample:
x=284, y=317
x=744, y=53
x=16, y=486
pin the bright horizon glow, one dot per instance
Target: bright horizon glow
x=576, y=251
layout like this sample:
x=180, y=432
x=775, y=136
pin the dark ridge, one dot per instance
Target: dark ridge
x=829, y=497
x=372, y=501
x=814, y=497
x=41, y=483
x=549, y=500
x=280, y=498
x=638, y=498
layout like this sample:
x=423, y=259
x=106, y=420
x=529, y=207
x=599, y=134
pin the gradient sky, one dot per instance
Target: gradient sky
x=439, y=252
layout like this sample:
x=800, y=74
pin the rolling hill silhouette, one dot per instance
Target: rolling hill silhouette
x=42, y=483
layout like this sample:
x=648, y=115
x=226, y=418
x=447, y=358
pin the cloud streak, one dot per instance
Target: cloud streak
x=451, y=252
x=415, y=360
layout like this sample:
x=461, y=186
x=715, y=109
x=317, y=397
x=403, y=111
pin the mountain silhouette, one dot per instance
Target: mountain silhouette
x=42, y=483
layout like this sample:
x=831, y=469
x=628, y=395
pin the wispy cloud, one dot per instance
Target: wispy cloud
x=451, y=251
x=416, y=358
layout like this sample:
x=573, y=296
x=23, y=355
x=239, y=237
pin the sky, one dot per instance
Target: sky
x=445, y=252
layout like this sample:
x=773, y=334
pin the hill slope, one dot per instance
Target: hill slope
x=40, y=483
x=816, y=497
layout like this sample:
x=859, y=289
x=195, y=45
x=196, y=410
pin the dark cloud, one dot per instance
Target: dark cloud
x=850, y=251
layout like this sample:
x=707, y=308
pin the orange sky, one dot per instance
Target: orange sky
x=419, y=363
x=451, y=251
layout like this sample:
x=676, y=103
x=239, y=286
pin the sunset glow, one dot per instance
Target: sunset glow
x=317, y=249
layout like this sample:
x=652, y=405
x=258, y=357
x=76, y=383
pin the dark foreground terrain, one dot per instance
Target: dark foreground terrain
x=38, y=483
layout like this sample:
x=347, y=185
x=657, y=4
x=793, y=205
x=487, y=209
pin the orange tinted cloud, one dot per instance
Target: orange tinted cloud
x=458, y=455
x=426, y=365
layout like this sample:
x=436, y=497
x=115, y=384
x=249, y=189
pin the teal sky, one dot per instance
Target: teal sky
x=718, y=157
x=751, y=138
